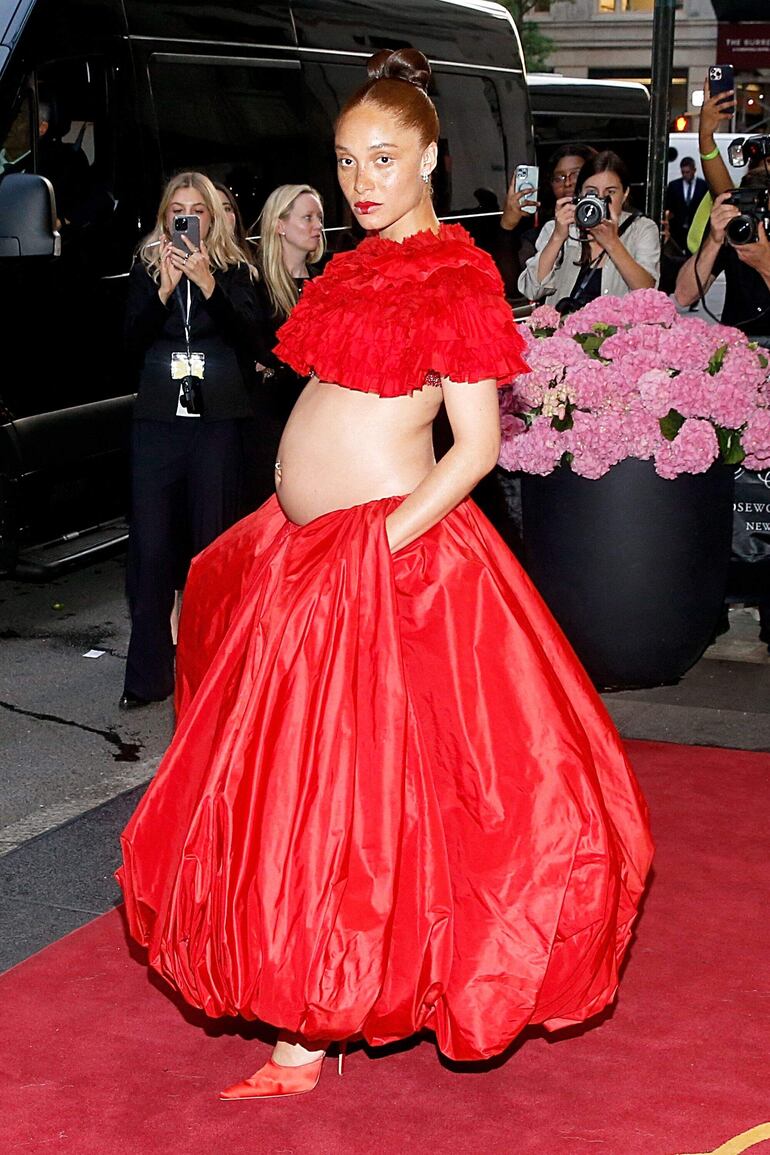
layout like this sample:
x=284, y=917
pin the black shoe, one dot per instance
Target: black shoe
x=131, y=701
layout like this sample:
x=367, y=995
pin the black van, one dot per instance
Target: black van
x=611, y=114
x=133, y=90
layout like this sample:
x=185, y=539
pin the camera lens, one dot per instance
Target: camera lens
x=589, y=213
x=741, y=230
x=180, y=224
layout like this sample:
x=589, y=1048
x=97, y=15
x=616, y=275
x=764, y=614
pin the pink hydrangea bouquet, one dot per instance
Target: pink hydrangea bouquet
x=631, y=377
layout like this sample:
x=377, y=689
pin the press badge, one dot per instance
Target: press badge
x=182, y=368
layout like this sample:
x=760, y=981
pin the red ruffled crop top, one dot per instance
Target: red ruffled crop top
x=390, y=317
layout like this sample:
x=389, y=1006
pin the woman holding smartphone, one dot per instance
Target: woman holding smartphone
x=620, y=253
x=190, y=333
x=393, y=802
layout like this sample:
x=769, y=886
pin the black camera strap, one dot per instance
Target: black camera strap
x=702, y=290
x=626, y=224
x=584, y=278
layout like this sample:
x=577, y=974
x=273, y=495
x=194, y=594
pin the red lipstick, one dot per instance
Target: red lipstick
x=364, y=207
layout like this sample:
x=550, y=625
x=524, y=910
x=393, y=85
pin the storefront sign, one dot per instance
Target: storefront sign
x=745, y=46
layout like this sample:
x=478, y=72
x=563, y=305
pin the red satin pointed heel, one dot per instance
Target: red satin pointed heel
x=274, y=1081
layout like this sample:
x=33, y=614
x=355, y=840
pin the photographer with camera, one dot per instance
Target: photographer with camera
x=736, y=243
x=595, y=245
x=190, y=325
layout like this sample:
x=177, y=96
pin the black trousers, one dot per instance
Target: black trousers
x=185, y=491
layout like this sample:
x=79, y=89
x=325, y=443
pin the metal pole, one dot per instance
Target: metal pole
x=660, y=105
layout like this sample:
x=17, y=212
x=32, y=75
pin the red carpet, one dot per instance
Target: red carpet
x=98, y=1060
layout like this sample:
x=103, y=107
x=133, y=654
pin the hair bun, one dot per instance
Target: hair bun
x=401, y=64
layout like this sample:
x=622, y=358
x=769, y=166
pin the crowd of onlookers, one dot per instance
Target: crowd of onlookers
x=201, y=324
x=568, y=258
x=709, y=228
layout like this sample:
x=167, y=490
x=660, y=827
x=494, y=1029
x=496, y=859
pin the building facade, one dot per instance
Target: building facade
x=613, y=39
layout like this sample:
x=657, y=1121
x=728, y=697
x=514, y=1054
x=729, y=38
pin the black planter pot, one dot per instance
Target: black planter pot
x=632, y=566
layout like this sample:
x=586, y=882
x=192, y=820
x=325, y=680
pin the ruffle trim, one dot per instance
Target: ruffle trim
x=389, y=317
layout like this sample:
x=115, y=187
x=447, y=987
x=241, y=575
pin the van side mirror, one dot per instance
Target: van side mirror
x=27, y=217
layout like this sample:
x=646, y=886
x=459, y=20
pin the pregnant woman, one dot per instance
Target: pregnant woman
x=393, y=801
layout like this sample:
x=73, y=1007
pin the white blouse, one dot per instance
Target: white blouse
x=641, y=239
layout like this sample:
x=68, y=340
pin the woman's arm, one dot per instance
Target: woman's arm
x=714, y=109
x=757, y=254
x=549, y=254
x=686, y=291
x=529, y=283
x=145, y=313
x=474, y=416
x=233, y=304
x=640, y=269
x=513, y=213
x=267, y=325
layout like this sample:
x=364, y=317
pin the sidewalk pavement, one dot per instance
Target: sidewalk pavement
x=724, y=700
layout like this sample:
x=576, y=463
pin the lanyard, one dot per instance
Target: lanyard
x=186, y=310
x=187, y=317
x=584, y=279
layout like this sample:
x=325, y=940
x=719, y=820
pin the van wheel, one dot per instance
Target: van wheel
x=9, y=542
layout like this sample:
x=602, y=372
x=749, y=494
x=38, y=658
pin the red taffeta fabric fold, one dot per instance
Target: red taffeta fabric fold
x=393, y=799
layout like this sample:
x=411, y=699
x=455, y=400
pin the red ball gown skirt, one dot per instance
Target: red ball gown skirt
x=393, y=800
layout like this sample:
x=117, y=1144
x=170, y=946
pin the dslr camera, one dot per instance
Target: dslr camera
x=749, y=150
x=591, y=210
x=754, y=206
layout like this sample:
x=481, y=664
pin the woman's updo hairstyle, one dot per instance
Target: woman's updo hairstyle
x=400, y=64
x=398, y=83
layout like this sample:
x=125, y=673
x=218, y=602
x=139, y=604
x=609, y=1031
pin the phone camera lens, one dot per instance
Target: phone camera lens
x=180, y=224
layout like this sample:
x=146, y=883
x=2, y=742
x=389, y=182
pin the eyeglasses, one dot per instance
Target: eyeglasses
x=565, y=177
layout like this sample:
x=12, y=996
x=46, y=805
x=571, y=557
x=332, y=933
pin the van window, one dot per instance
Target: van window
x=69, y=142
x=472, y=161
x=62, y=131
x=603, y=116
x=247, y=123
x=16, y=148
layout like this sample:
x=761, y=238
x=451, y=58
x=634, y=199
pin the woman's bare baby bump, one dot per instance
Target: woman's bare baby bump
x=342, y=447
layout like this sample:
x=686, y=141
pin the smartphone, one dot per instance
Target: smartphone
x=721, y=79
x=189, y=227
x=527, y=176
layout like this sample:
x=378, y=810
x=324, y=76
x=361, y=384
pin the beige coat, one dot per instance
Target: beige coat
x=641, y=238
